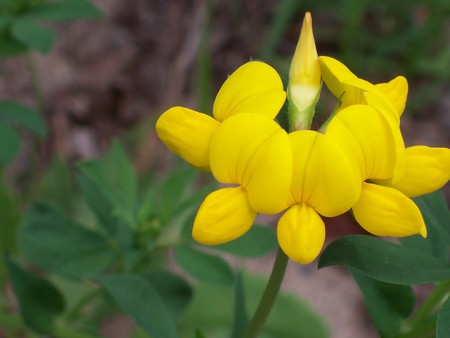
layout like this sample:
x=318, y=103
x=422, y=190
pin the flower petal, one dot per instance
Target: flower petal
x=334, y=74
x=253, y=151
x=188, y=134
x=427, y=170
x=385, y=211
x=301, y=233
x=397, y=91
x=367, y=139
x=254, y=87
x=322, y=175
x=224, y=215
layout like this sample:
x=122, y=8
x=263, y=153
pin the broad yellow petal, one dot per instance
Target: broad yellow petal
x=224, y=215
x=188, y=134
x=322, y=175
x=397, y=91
x=367, y=139
x=427, y=170
x=254, y=151
x=385, y=211
x=254, y=87
x=301, y=233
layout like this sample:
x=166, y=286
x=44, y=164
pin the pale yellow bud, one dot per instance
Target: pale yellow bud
x=304, y=78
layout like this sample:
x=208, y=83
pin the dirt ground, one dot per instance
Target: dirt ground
x=104, y=77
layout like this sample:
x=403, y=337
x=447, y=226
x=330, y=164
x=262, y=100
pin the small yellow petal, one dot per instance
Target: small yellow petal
x=334, y=74
x=253, y=151
x=301, y=233
x=188, y=134
x=427, y=170
x=224, y=216
x=367, y=139
x=385, y=211
x=397, y=91
x=255, y=87
x=322, y=175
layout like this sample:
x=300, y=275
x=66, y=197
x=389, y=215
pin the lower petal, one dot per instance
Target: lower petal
x=188, y=134
x=301, y=233
x=224, y=215
x=385, y=211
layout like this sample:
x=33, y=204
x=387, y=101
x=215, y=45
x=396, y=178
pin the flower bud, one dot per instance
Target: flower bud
x=304, y=79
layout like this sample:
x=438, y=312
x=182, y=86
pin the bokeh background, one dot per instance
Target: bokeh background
x=114, y=76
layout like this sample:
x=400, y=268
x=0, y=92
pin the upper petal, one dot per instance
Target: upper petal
x=188, y=134
x=334, y=74
x=254, y=151
x=224, y=215
x=322, y=175
x=397, y=91
x=385, y=211
x=254, y=87
x=301, y=233
x=427, y=170
x=367, y=139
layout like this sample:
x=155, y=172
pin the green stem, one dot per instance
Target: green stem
x=434, y=299
x=269, y=296
x=425, y=330
x=36, y=82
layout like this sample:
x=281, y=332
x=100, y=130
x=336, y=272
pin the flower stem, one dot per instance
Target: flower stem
x=269, y=296
x=434, y=299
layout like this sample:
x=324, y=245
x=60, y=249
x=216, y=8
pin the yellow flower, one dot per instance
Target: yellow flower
x=254, y=87
x=304, y=79
x=251, y=153
x=384, y=207
x=323, y=183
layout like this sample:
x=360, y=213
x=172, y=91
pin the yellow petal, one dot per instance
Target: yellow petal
x=385, y=211
x=224, y=216
x=322, y=175
x=254, y=87
x=427, y=170
x=188, y=134
x=334, y=74
x=301, y=233
x=253, y=151
x=397, y=91
x=366, y=138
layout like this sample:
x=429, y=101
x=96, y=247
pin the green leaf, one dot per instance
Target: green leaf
x=436, y=214
x=443, y=321
x=33, y=35
x=384, y=261
x=39, y=301
x=139, y=299
x=212, y=307
x=199, y=334
x=109, y=188
x=10, y=46
x=175, y=291
x=174, y=191
x=387, y=304
x=65, y=10
x=240, y=315
x=23, y=116
x=258, y=241
x=52, y=241
x=10, y=142
x=203, y=266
